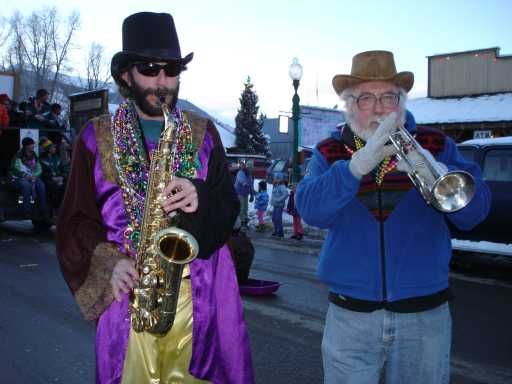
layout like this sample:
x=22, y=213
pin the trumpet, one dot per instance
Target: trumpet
x=445, y=191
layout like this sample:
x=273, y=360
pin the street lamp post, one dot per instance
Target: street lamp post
x=295, y=72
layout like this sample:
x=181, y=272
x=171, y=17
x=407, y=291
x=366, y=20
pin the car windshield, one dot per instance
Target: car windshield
x=279, y=167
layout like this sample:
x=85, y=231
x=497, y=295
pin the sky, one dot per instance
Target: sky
x=232, y=40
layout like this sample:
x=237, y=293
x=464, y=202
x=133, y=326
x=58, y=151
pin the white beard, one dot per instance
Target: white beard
x=365, y=133
x=362, y=133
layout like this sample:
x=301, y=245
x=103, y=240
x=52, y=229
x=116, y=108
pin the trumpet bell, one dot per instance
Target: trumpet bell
x=453, y=191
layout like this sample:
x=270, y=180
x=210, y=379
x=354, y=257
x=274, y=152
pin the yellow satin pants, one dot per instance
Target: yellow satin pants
x=164, y=359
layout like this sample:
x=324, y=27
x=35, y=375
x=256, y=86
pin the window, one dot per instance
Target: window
x=498, y=165
x=283, y=124
x=280, y=166
x=468, y=153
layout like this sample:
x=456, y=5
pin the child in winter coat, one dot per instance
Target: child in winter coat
x=261, y=203
x=277, y=200
x=298, y=230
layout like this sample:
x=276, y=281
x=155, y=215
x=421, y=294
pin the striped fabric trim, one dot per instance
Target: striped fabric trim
x=394, y=184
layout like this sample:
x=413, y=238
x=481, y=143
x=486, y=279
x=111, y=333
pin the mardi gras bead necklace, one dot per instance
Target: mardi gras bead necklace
x=386, y=165
x=132, y=163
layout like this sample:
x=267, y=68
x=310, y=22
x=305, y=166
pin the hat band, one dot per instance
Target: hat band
x=164, y=54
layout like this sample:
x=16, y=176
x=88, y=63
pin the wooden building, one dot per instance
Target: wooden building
x=469, y=94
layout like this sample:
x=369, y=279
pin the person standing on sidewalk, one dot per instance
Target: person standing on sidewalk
x=298, y=229
x=244, y=188
x=261, y=204
x=277, y=200
x=387, y=253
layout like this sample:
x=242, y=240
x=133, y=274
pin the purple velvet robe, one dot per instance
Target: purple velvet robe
x=220, y=344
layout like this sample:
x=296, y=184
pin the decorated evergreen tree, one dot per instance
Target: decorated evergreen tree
x=248, y=130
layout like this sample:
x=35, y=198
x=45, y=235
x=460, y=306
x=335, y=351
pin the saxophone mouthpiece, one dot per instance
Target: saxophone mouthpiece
x=162, y=96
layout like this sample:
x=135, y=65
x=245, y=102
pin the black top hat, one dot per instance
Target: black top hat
x=148, y=36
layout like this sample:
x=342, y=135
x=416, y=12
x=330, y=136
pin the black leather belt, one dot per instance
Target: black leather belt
x=410, y=305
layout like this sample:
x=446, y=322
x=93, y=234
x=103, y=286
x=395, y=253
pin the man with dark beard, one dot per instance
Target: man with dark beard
x=387, y=253
x=100, y=219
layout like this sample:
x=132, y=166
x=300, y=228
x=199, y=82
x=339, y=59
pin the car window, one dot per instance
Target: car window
x=279, y=167
x=497, y=165
x=468, y=153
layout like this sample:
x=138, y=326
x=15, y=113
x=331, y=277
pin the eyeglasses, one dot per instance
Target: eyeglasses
x=151, y=69
x=367, y=101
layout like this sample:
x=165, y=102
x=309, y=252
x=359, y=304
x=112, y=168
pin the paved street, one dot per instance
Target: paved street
x=44, y=340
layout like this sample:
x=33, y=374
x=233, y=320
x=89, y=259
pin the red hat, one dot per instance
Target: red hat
x=3, y=98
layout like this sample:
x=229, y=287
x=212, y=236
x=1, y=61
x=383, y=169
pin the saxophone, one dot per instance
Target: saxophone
x=163, y=249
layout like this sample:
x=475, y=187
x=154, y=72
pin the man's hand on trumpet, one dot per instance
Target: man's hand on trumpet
x=376, y=149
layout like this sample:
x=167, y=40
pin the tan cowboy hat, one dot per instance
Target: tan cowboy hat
x=373, y=66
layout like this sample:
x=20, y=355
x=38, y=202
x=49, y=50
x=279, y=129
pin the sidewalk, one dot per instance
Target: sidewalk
x=310, y=243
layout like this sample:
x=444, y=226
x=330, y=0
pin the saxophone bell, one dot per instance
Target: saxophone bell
x=174, y=245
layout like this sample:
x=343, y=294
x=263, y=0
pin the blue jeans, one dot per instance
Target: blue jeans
x=36, y=190
x=401, y=348
x=277, y=220
x=244, y=208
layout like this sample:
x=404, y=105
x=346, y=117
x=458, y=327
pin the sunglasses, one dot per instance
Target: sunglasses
x=151, y=69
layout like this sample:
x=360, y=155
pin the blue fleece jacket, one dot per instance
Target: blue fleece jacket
x=244, y=184
x=279, y=195
x=261, y=201
x=405, y=256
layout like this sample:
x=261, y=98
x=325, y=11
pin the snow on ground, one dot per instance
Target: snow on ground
x=253, y=219
x=483, y=246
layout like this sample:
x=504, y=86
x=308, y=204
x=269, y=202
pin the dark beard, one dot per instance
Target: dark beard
x=140, y=94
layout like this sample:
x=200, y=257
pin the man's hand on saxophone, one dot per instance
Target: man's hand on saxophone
x=180, y=193
x=123, y=277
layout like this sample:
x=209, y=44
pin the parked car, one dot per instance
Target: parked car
x=283, y=167
x=258, y=163
x=494, y=156
x=279, y=167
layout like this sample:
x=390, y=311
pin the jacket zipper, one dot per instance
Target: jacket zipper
x=382, y=253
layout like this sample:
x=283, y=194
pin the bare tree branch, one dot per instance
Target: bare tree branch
x=98, y=69
x=61, y=46
x=41, y=44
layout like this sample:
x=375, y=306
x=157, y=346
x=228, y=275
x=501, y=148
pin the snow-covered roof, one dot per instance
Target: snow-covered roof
x=497, y=140
x=488, y=108
x=226, y=136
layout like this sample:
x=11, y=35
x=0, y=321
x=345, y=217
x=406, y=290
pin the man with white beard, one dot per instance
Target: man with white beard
x=386, y=256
